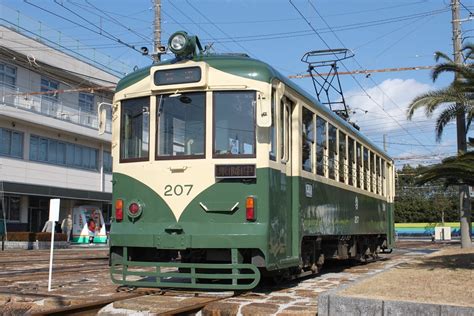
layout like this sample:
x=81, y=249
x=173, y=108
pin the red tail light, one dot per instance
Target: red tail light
x=134, y=208
x=118, y=210
x=250, y=209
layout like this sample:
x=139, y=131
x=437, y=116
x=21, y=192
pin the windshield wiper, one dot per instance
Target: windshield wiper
x=160, y=105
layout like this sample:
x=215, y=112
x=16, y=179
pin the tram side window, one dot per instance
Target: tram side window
x=342, y=157
x=359, y=165
x=332, y=136
x=281, y=129
x=273, y=135
x=181, y=125
x=134, y=129
x=234, y=124
x=308, y=140
x=351, y=161
x=377, y=174
x=372, y=178
x=366, y=169
x=320, y=145
x=383, y=177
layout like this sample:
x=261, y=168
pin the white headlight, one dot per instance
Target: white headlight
x=178, y=42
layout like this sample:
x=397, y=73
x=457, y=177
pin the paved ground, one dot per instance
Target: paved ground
x=81, y=274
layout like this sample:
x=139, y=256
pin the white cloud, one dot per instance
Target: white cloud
x=386, y=114
x=387, y=105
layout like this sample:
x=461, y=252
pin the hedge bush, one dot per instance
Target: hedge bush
x=28, y=236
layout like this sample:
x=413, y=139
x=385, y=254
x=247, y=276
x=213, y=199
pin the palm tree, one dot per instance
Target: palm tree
x=457, y=170
x=457, y=100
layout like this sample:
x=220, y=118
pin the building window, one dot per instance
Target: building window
x=86, y=102
x=61, y=153
x=49, y=85
x=12, y=207
x=7, y=75
x=11, y=143
x=86, y=106
x=107, y=162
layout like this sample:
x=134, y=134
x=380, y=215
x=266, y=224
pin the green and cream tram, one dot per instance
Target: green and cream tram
x=226, y=171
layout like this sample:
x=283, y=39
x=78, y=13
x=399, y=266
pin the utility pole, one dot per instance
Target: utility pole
x=464, y=203
x=157, y=32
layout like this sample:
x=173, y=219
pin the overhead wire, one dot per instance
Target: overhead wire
x=189, y=18
x=352, y=26
x=105, y=34
x=111, y=36
x=355, y=79
x=110, y=18
x=217, y=27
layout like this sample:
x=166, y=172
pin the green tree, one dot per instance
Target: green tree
x=416, y=204
x=454, y=101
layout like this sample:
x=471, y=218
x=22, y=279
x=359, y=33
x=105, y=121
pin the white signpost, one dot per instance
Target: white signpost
x=53, y=218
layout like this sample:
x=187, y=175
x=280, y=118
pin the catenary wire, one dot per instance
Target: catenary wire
x=358, y=83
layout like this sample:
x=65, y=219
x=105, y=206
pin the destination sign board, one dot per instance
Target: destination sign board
x=177, y=76
x=235, y=171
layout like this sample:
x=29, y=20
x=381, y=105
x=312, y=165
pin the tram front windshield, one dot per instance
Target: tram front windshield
x=234, y=124
x=181, y=128
x=181, y=125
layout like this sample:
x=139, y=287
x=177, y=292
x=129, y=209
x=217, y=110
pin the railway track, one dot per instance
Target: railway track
x=56, y=259
x=87, y=302
x=92, y=308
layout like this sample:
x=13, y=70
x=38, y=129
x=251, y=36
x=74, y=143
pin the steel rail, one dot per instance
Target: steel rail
x=89, y=308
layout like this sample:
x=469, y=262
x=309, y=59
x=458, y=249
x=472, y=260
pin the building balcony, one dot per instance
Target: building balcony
x=47, y=105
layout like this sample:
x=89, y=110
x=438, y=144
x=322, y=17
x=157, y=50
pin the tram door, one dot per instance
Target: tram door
x=286, y=161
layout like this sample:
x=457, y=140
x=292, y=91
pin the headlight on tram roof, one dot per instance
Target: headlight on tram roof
x=183, y=45
x=177, y=42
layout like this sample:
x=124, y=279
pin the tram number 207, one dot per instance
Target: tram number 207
x=178, y=189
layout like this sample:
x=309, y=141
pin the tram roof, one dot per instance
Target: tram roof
x=244, y=66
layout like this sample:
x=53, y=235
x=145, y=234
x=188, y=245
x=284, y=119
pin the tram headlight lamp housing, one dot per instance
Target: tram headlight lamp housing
x=178, y=42
x=183, y=45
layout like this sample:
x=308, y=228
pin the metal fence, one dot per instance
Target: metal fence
x=47, y=106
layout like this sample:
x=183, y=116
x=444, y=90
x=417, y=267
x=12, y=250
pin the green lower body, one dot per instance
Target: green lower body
x=150, y=250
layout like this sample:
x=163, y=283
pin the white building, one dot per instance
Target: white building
x=49, y=144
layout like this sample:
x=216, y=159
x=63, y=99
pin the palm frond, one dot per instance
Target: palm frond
x=465, y=72
x=433, y=99
x=439, y=55
x=469, y=48
x=454, y=170
x=445, y=117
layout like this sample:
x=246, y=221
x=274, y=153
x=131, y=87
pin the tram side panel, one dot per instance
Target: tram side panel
x=330, y=211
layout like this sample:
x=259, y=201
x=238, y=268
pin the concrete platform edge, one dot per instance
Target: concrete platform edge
x=331, y=303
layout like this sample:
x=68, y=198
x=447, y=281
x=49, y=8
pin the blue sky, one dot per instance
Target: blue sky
x=382, y=34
